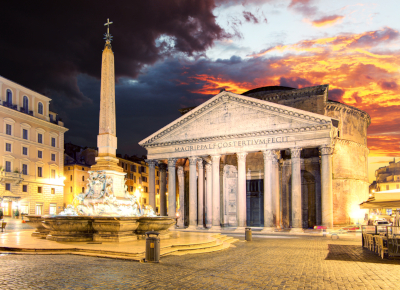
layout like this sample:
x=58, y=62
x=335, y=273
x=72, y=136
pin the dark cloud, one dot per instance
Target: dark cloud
x=388, y=85
x=294, y=82
x=48, y=43
x=249, y=17
x=336, y=95
x=303, y=7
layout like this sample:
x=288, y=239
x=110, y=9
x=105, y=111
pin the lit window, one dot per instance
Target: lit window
x=8, y=147
x=83, y=189
x=53, y=142
x=53, y=190
x=40, y=138
x=24, y=151
x=40, y=108
x=53, y=208
x=40, y=154
x=53, y=157
x=40, y=171
x=25, y=134
x=8, y=129
x=39, y=209
x=24, y=169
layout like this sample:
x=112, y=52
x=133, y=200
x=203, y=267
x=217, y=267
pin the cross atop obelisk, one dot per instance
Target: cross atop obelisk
x=107, y=138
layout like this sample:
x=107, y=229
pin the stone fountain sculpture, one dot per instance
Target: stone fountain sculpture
x=106, y=211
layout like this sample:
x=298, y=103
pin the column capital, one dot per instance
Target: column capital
x=151, y=163
x=268, y=154
x=162, y=166
x=208, y=167
x=295, y=152
x=193, y=160
x=172, y=162
x=326, y=149
x=215, y=158
x=241, y=156
x=200, y=163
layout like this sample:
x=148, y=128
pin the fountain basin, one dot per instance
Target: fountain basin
x=36, y=221
x=69, y=228
x=158, y=224
x=115, y=229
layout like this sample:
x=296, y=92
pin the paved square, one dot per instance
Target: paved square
x=265, y=263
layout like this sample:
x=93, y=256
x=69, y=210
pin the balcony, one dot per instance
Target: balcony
x=10, y=177
x=26, y=111
x=10, y=105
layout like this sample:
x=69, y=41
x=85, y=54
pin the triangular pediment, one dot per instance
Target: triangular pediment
x=229, y=114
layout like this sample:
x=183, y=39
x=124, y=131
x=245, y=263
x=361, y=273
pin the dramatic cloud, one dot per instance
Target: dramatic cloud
x=326, y=20
x=249, y=17
x=303, y=7
x=47, y=44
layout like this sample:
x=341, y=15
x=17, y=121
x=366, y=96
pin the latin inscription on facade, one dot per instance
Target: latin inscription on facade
x=227, y=144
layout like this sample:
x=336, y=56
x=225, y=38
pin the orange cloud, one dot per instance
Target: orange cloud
x=212, y=85
x=327, y=20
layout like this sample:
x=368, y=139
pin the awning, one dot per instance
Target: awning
x=380, y=204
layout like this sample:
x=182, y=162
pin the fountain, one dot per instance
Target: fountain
x=106, y=211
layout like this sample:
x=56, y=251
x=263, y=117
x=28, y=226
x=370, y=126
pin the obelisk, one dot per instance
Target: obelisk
x=107, y=138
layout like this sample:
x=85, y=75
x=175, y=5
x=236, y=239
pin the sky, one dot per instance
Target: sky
x=175, y=54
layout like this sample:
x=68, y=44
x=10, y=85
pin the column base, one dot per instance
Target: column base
x=296, y=231
x=191, y=228
x=216, y=228
x=268, y=230
x=200, y=228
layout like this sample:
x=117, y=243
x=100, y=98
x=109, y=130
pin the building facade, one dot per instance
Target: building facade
x=32, y=152
x=273, y=157
x=388, y=177
x=75, y=179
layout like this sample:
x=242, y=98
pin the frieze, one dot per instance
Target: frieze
x=227, y=97
x=244, y=135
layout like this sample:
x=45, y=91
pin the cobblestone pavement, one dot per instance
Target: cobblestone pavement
x=264, y=263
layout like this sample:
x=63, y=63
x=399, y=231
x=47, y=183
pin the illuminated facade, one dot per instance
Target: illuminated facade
x=32, y=152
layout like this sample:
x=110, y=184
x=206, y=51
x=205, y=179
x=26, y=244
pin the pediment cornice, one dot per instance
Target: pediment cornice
x=315, y=121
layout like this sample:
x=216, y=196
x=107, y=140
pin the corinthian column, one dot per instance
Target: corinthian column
x=163, y=188
x=152, y=183
x=241, y=195
x=297, y=225
x=192, y=193
x=268, y=206
x=181, y=182
x=326, y=186
x=171, y=188
x=276, y=199
x=200, y=202
x=216, y=194
x=208, y=201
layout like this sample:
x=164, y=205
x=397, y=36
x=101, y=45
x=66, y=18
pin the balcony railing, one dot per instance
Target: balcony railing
x=10, y=105
x=26, y=111
x=11, y=177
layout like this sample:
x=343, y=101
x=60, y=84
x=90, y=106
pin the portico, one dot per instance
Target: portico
x=230, y=125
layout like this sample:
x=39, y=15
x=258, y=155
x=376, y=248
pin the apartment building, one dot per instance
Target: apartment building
x=31, y=151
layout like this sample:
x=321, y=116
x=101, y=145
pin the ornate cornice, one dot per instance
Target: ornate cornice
x=295, y=152
x=334, y=106
x=243, y=135
x=227, y=97
x=288, y=94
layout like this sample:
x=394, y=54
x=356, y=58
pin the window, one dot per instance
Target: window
x=24, y=188
x=24, y=208
x=8, y=129
x=24, y=169
x=26, y=104
x=158, y=182
x=40, y=172
x=158, y=173
x=70, y=189
x=397, y=186
x=8, y=186
x=134, y=179
x=83, y=189
x=133, y=168
x=53, y=208
x=53, y=157
x=158, y=191
x=8, y=166
x=40, y=138
x=144, y=179
x=145, y=189
x=40, y=108
x=8, y=147
x=126, y=166
x=53, y=142
x=40, y=189
x=131, y=176
x=122, y=164
x=70, y=177
x=25, y=134
x=9, y=97
x=143, y=169
x=83, y=179
x=53, y=190
x=40, y=154
x=144, y=200
x=24, y=151
x=39, y=209
x=387, y=187
x=53, y=173
x=83, y=169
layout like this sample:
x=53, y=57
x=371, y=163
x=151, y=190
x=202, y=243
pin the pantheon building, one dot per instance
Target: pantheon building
x=273, y=157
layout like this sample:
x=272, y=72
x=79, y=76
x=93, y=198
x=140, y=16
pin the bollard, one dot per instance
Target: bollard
x=152, y=247
x=248, y=234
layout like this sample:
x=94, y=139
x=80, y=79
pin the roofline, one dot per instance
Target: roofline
x=25, y=88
